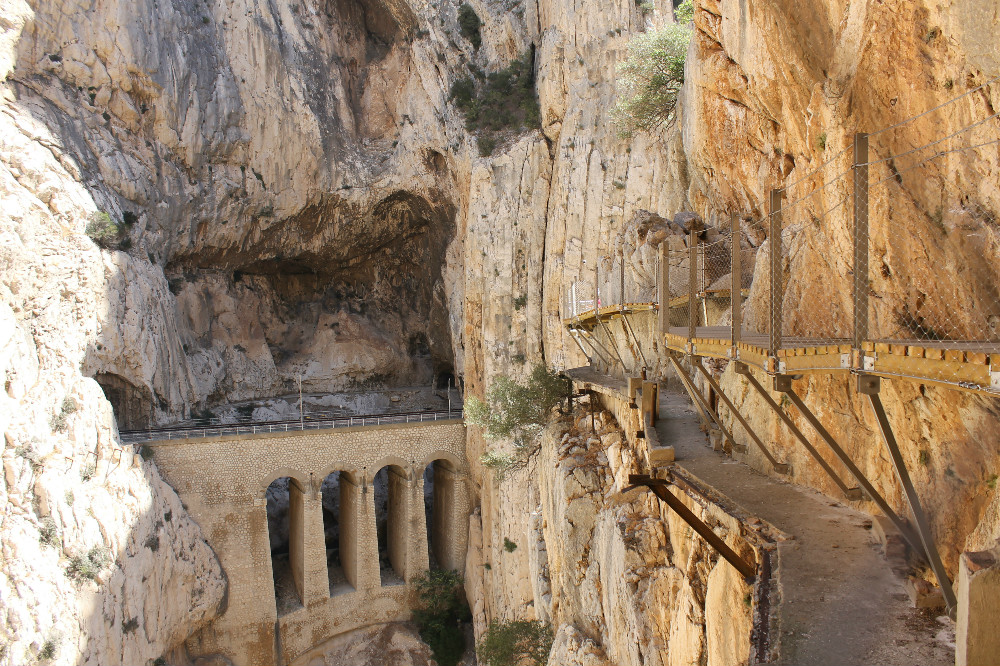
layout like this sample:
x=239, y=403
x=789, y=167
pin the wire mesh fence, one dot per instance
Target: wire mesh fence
x=890, y=247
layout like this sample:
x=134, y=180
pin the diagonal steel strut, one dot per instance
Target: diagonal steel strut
x=658, y=486
x=780, y=468
x=699, y=400
x=923, y=528
x=911, y=537
x=850, y=493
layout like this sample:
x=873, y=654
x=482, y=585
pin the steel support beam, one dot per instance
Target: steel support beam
x=611, y=340
x=658, y=486
x=692, y=287
x=699, y=400
x=860, y=239
x=783, y=383
x=629, y=331
x=572, y=334
x=853, y=494
x=923, y=527
x=597, y=347
x=775, y=277
x=736, y=285
x=780, y=468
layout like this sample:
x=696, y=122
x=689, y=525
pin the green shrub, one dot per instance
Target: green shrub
x=47, y=651
x=89, y=566
x=515, y=643
x=146, y=452
x=58, y=421
x=517, y=410
x=469, y=25
x=88, y=471
x=502, y=101
x=439, y=614
x=684, y=12
x=48, y=533
x=509, y=545
x=102, y=230
x=520, y=302
x=153, y=543
x=650, y=79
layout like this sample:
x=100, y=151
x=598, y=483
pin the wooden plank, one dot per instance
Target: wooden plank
x=933, y=370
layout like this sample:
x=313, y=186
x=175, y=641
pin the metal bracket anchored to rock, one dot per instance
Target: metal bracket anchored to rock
x=659, y=488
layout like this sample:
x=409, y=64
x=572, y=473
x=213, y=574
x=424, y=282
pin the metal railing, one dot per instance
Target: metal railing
x=265, y=427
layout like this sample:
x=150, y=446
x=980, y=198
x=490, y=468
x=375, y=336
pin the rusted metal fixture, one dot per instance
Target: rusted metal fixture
x=871, y=389
x=779, y=467
x=774, y=245
x=783, y=383
x=853, y=494
x=701, y=403
x=659, y=488
x=860, y=240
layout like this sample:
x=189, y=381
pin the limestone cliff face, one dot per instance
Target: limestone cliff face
x=302, y=198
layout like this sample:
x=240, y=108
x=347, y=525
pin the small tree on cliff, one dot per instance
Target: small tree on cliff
x=650, y=78
x=515, y=410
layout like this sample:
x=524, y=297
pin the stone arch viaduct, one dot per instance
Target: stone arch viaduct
x=223, y=482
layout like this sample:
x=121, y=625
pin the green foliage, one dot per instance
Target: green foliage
x=520, y=302
x=503, y=101
x=439, y=614
x=992, y=482
x=515, y=643
x=146, y=452
x=516, y=410
x=650, y=79
x=822, y=141
x=89, y=566
x=88, y=471
x=153, y=542
x=509, y=545
x=130, y=625
x=48, y=533
x=58, y=421
x=469, y=25
x=684, y=12
x=47, y=651
x=103, y=231
x=924, y=458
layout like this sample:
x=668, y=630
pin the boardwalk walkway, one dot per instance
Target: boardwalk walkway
x=840, y=601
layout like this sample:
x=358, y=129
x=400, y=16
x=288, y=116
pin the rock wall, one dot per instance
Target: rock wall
x=620, y=578
x=300, y=197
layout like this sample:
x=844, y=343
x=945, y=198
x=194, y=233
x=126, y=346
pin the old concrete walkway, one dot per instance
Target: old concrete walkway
x=840, y=602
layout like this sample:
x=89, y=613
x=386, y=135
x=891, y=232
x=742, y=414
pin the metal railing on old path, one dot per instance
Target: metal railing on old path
x=265, y=427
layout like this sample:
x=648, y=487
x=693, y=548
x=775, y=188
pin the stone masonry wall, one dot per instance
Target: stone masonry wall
x=222, y=482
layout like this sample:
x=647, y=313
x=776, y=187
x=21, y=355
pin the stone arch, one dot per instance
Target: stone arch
x=442, y=485
x=394, y=461
x=339, y=504
x=301, y=477
x=132, y=405
x=391, y=491
x=458, y=464
x=285, y=500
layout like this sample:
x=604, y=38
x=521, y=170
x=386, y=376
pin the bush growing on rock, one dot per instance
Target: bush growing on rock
x=650, y=78
x=440, y=613
x=469, y=24
x=89, y=566
x=515, y=410
x=515, y=643
x=102, y=230
x=502, y=102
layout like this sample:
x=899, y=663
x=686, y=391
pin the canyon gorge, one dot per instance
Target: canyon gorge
x=301, y=206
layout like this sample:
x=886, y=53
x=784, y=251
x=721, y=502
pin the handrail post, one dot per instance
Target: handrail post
x=621, y=274
x=692, y=286
x=736, y=287
x=860, y=168
x=775, y=249
x=663, y=316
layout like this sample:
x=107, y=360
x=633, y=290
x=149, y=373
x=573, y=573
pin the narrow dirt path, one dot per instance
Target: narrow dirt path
x=841, y=604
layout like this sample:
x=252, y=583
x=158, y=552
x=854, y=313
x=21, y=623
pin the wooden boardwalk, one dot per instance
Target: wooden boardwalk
x=957, y=364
